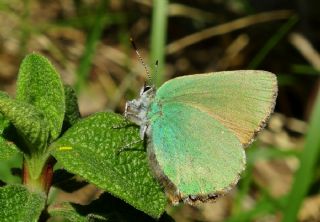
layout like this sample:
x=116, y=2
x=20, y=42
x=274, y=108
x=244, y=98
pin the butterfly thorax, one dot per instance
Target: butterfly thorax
x=137, y=110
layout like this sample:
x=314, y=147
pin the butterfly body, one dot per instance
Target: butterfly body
x=197, y=126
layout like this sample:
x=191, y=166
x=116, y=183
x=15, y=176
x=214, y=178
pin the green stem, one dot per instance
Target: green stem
x=92, y=41
x=37, y=173
x=272, y=42
x=308, y=162
x=158, y=38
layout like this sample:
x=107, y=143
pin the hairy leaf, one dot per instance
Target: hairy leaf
x=30, y=123
x=68, y=213
x=72, y=109
x=4, y=94
x=94, y=149
x=39, y=84
x=65, y=212
x=7, y=149
x=105, y=208
x=4, y=123
x=18, y=204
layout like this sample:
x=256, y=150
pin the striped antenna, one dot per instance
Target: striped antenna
x=141, y=60
x=155, y=75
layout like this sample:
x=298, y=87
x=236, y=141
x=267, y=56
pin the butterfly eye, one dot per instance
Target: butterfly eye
x=146, y=88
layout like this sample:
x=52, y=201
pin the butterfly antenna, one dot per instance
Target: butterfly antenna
x=141, y=60
x=156, y=70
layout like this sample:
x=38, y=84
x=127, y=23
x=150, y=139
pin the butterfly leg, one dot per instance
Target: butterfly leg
x=143, y=131
x=126, y=110
x=130, y=147
x=125, y=125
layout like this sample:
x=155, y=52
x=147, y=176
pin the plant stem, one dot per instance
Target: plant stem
x=308, y=162
x=92, y=41
x=37, y=173
x=158, y=38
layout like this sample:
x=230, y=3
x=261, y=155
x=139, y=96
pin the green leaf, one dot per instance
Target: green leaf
x=308, y=164
x=72, y=109
x=4, y=123
x=66, y=213
x=18, y=204
x=7, y=175
x=105, y=208
x=4, y=94
x=91, y=149
x=7, y=149
x=39, y=84
x=30, y=123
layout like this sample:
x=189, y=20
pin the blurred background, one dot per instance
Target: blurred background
x=88, y=42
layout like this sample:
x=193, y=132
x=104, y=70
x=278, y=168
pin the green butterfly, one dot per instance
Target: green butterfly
x=197, y=127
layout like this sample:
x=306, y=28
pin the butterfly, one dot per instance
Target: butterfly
x=197, y=127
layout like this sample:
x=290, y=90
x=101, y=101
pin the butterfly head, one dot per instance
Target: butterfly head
x=136, y=110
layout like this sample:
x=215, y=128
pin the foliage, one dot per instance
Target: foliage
x=90, y=39
x=43, y=122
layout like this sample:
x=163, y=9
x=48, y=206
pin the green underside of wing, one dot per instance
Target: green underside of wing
x=240, y=100
x=197, y=153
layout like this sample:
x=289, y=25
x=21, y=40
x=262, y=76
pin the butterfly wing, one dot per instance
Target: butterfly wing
x=240, y=100
x=193, y=154
x=199, y=124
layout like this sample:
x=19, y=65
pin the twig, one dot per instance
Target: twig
x=303, y=45
x=227, y=27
